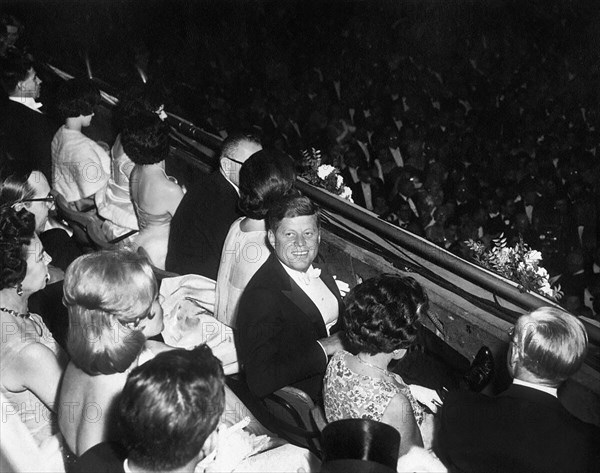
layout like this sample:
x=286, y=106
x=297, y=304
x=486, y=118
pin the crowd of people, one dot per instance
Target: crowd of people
x=501, y=139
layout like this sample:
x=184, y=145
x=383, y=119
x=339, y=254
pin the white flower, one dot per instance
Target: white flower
x=346, y=193
x=340, y=182
x=541, y=272
x=532, y=257
x=325, y=170
x=546, y=290
x=504, y=255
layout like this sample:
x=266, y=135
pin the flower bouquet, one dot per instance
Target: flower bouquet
x=520, y=264
x=321, y=175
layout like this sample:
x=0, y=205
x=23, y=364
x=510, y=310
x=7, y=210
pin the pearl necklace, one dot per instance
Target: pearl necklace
x=15, y=313
x=384, y=371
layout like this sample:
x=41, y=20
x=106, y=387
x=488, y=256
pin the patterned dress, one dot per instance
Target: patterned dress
x=348, y=395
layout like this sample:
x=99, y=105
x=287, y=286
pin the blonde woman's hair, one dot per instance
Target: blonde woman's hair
x=106, y=294
x=552, y=343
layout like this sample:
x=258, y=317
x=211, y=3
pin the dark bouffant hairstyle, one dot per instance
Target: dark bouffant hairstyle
x=146, y=139
x=265, y=178
x=382, y=314
x=14, y=68
x=14, y=185
x=169, y=406
x=16, y=231
x=294, y=204
x=77, y=97
x=136, y=100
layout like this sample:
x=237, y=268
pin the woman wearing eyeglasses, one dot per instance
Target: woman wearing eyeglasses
x=23, y=187
x=112, y=300
x=31, y=362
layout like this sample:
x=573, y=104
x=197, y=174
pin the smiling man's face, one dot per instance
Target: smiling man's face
x=296, y=241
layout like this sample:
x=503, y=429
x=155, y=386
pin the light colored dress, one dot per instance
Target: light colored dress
x=243, y=254
x=348, y=395
x=154, y=235
x=154, y=232
x=18, y=333
x=114, y=202
x=80, y=166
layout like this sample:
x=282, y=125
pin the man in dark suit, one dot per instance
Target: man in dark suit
x=206, y=212
x=25, y=132
x=525, y=428
x=368, y=191
x=289, y=308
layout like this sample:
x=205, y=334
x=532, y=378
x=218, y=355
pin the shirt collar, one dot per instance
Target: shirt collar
x=299, y=276
x=546, y=389
x=29, y=102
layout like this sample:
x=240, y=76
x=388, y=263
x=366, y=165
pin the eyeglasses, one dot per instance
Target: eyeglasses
x=234, y=160
x=511, y=336
x=48, y=199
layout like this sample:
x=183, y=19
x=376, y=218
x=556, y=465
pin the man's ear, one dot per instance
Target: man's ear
x=271, y=237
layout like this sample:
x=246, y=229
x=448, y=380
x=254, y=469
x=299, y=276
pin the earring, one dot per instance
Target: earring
x=19, y=289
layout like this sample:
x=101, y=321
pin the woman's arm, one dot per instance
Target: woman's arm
x=399, y=414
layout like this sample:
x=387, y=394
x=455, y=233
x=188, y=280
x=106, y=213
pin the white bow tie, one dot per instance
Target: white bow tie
x=311, y=273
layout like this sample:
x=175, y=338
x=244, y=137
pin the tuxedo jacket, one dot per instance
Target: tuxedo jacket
x=277, y=331
x=27, y=134
x=106, y=457
x=200, y=226
x=522, y=429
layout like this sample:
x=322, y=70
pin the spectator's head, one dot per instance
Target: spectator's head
x=10, y=29
x=23, y=267
x=393, y=138
x=522, y=224
x=78, y=98
x=294, y=231
x=170, y=407
x=138, y=100
x=23, y=187
x=264, y=179
x=406, y=183
x=547, y=346
x=145, y=139
x=237, y=148
x=18, y=77
x=382, y=314
x=112, y=299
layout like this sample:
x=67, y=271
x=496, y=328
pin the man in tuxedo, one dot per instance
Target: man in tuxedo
x=525, y=428
x=206, y=212
x=25, y=132
x=289, y=308
x=368, y=191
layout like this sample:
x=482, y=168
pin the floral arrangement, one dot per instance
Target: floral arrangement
x=520, y=264
x=321, y=175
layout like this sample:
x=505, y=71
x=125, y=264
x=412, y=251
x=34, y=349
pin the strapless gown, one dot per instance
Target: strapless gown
x=153, y=235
